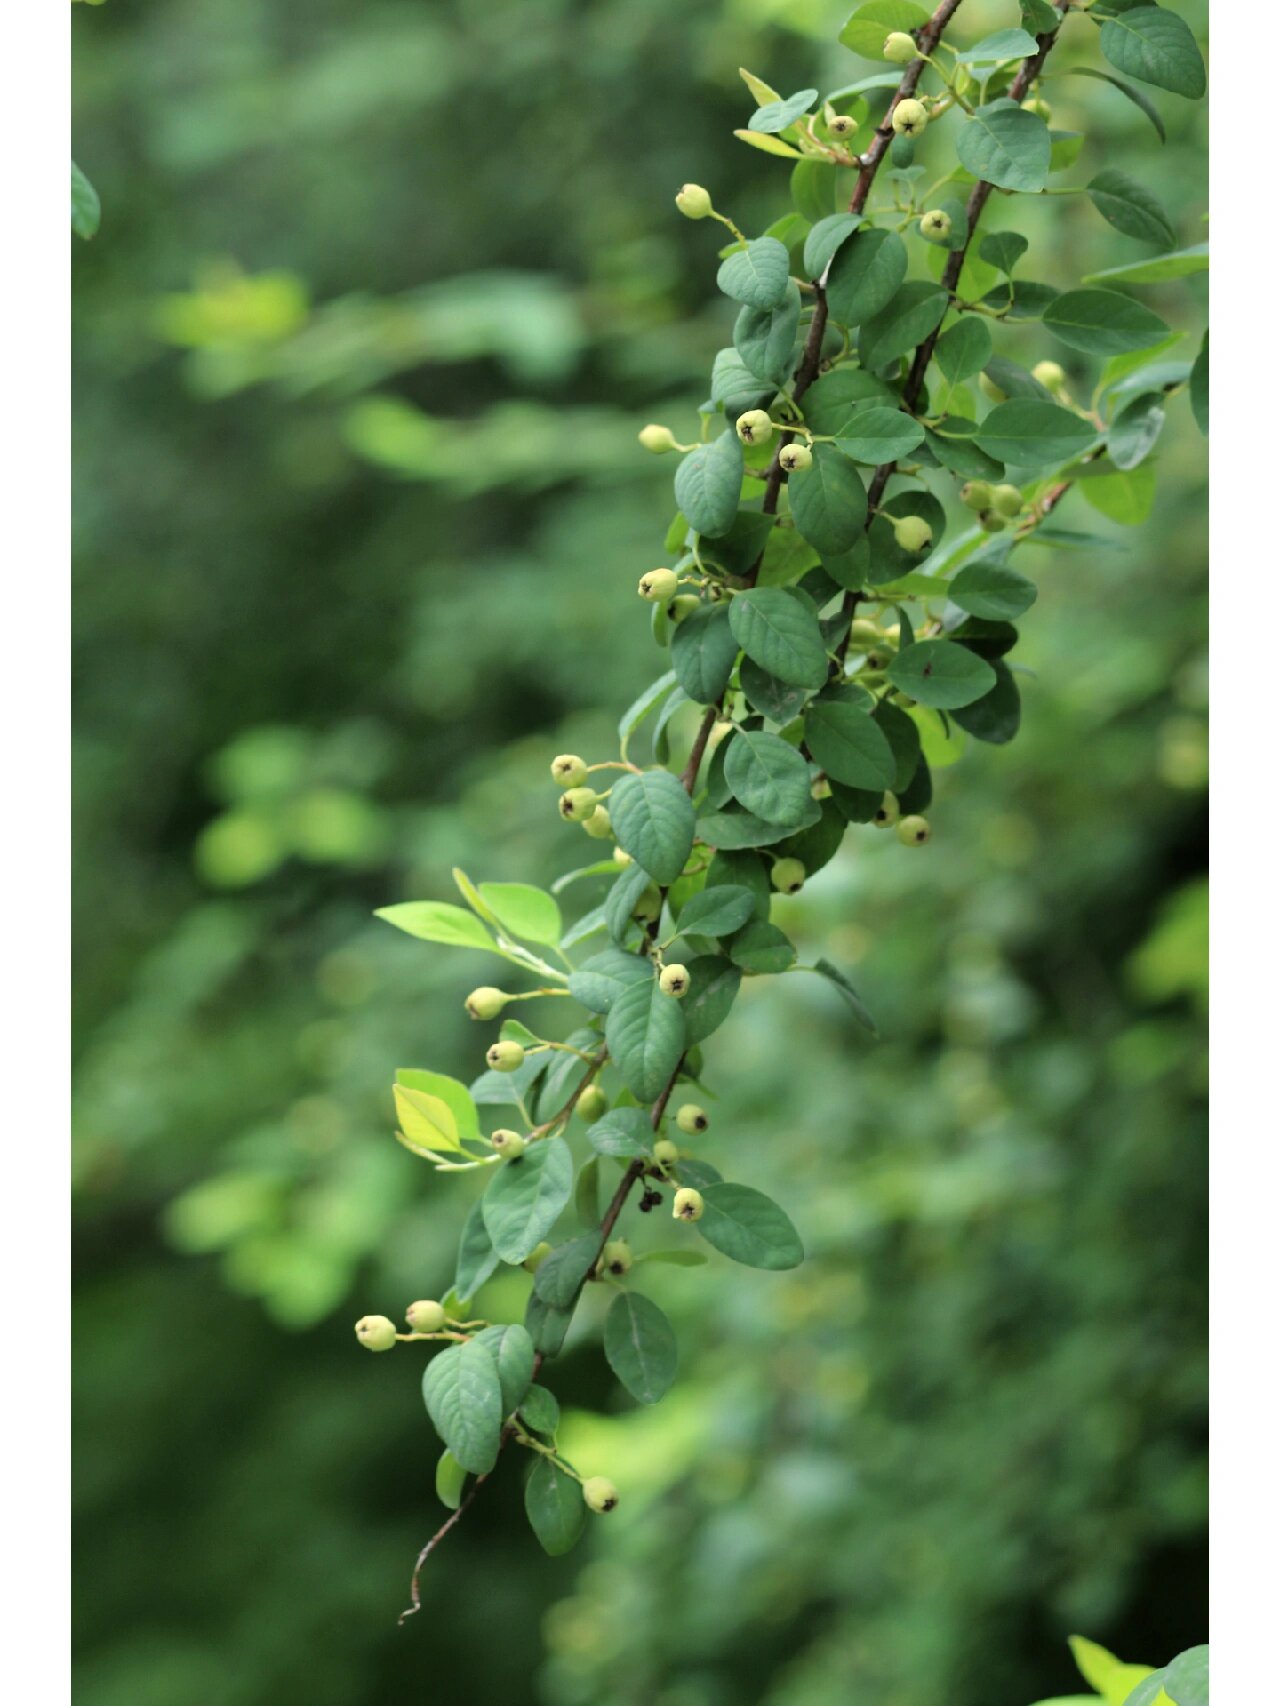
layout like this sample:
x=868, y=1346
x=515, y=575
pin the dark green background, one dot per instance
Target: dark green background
x=381, y=295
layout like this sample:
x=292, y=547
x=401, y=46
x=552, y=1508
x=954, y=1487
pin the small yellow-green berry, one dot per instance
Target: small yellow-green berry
x=913, y=831
x=376, y=1332
x=569, y=770
x=692, y=1119
x=935, y=225
x=788, y=876
x=509, y=1144
x=976, y=494
x=536, y=1257
x=505, y=1056
x=754, y=427
x=577, y=804
x=887, y=813
x=992, y=522
x=591, y=1104
x=615, y=1258
x=841, y=125
x=1007, y=500
x=693, y=201
x=681, y=607
x=864, y=632
x=912, y=532
x=621, y=857
x=600, y=1493
x=599, y=825
x=899, y=48
x=1050, y=374
x=665, y=1152
x=425, y=1316
x=486, y=1002
x=658, y=586
x=688, y=1204
x=674, y=981
x=795, y=458
x=910, y=118
x=657, y=438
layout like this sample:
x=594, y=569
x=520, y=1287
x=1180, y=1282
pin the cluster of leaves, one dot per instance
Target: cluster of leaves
x=1184, y=1681
x=813, y=718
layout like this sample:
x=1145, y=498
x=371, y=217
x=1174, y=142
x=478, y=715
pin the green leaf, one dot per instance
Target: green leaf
x=995, y=717
x=1186, y=1679
x=998, y=47
x=990, y=589
x=646, y=1035
x=437, y=921
x=735, y=386
x=1130, y=207
x=825, y=238
x=1140, y=100
x=904, y=741
x=703, y=652
x=527, y=1197
x=1033, y=434
x=1112, y=1678
x=765, y=338
x=1103, y=322
x=561, y=1274
x=953, y=443
x=1155, y=46
x=653, y=819
x=713, y=988
x=866, y=30
x=512, y=1351
x=1123, y=497
x=546, y=1325
x=774, y=699
x=915, y=311
x=640, y=1346
x=828, y=503
x=758, y=275
x=963, y=350
x=709, y=483
x=1039, y=16
x=941, y=673
x=777, y=115
x=762, y=947
x=464, y=1400
x=455, y=1096
x=721, y=910
x=832, y=402
x=1199, y=387
x=623, y=896
x=1006, y=146
x=749, y=1227
x=555, y=1507
x=524, y=911
x=539, y=1410
x=864, y=278
x=640, y=708
x=600, y=980
x=1003, y=250
x=735, y=829
x=1179, y=263
x=837, y=978
x=450, y=1478
x=878, y=434
x=86, y=209
x=845, y=741
x=477, y=1257
x=1133, y=433
x=625, y=1133
x=779, y=630
x=586, y=1193
x=426, y=1121
x=674, y=1258
x=768, y=144
x=743, y=870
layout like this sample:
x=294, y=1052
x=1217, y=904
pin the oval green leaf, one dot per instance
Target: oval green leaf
x=640, y=1346
x=653, y=819
x=749, y=1227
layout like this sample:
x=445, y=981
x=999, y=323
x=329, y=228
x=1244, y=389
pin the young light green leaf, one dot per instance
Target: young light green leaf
x=450, y=1478
x=1007, y=146
x=846, y=742
x=426, y=1121
x=777, y=115
x=437, y=921
x=523, y=911
x=645, y=1031
x=828, y=501
x=653, y=819
x=708, y=483
x=1130, y=207
x=464, y=1400
x=757, y=275
x=555, y=1507
x=640, y=1346
x=749, y=1227
x=455, y=1096
x=527, y=1196
x=865, y=276
x=703, y=652
x=779, y=629
x=1103, y=322
x=1155, y=46
x=942, y=674
x=718, y=911
x=991, y=590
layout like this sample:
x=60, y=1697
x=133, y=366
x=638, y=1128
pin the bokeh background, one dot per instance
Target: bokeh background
x=381, y=295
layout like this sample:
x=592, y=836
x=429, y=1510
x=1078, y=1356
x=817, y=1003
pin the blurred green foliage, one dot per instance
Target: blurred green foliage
x=352, y=563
